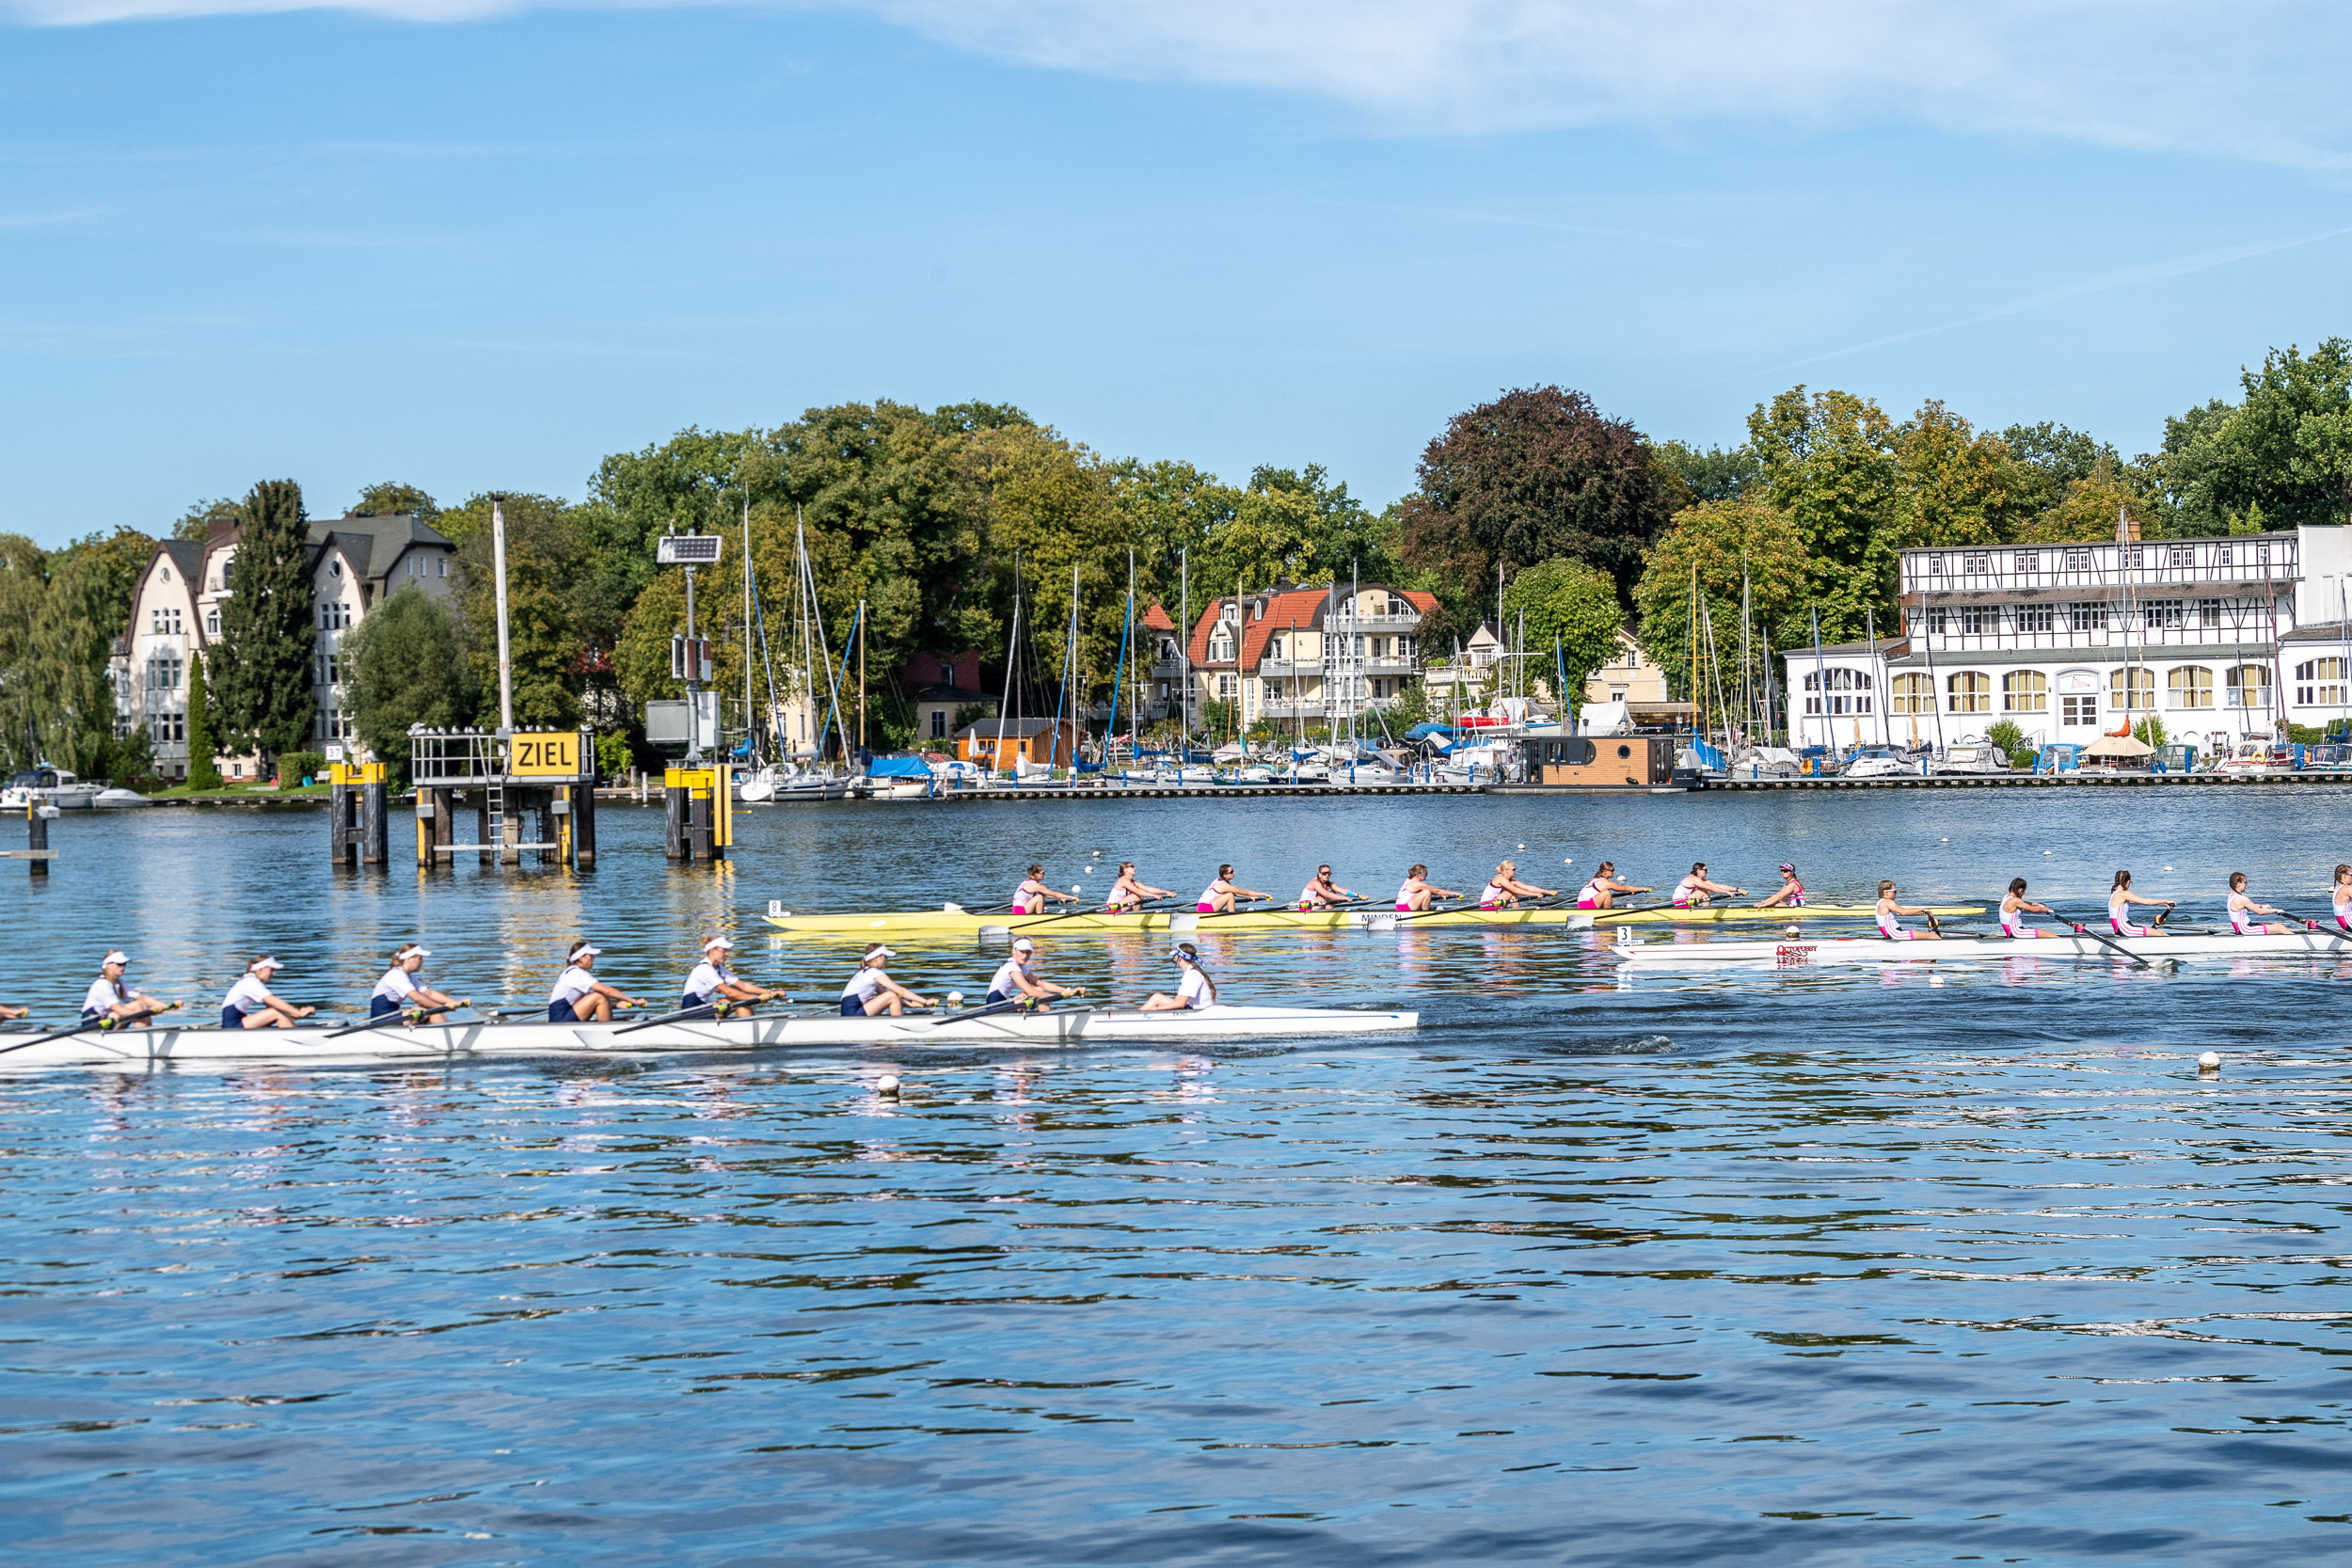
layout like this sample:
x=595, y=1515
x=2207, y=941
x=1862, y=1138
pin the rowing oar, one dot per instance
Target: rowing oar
x=398, y=1015
x=2083, y=930
x=1599, y=915
x=706, y=1010
x=103, y=1027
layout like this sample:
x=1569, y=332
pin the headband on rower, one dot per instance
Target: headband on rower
x=116, y=957
x=412, y=951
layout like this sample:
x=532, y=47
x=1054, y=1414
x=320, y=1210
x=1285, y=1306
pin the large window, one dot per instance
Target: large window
x=2078, y=712
x=2190, y=685
x=2133, y=687
x=2026, y=691
x=2087, y=615
x=2160, y=614
x=1912, y=694
x=2319, y=683
x=2247, y=686
x=1847, y=691
x=1978, y=619
x=939, y=724
x=2033, y=617
x=1970, y=693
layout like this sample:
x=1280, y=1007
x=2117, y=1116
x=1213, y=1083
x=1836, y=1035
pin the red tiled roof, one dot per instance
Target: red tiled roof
x=1156, y=618
x=1285, y=608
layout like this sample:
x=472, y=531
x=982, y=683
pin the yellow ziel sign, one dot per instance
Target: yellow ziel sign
x=553, y=756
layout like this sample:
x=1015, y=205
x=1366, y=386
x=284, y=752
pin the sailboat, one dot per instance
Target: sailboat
x=786, y=782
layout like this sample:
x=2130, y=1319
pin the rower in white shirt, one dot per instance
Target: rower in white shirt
x=1194, y=992
x=579, y=997
x=712, y=984
x=871, y=992
x=400, y=989
x=1016, y=980
x=110, y=1002
x=250, y=1005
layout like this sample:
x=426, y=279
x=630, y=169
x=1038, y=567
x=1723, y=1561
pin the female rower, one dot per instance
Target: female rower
x=2343, y=894
x=1031, y=895
x=1128, y=893
x=1791, y=894
x=1322, y=893
x=2017, y=905
x=249, y=1004
x=1218, y=897
x=1506, y=889
x=1601, y=891
x=711, y=984
x=1418, y=891
x=2120, y=900
x=870, y=992
x=1693, y=891
x=2242, y=907
x=1016, y=980
x=110, y=1001
x=1194, y=992
x=1892, y=929
x=579, y=997
x=399, y=988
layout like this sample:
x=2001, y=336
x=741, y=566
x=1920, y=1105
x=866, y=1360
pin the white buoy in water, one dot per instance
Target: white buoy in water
x=1935, y=979
x=1943, y=841
x=1522, y=845
x=955, y=999
x=887, y=1084
x=2209, y=1062
x=2045, y=852
x=1074, y=887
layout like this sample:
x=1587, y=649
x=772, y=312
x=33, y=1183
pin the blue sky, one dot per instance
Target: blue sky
x=473, y=246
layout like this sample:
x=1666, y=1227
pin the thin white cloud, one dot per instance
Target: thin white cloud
x=2256, y=79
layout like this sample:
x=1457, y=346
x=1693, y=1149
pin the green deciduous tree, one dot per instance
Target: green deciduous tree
x=196, y=521
x=390, y=498
x=261, y=664
x=1829, y=468
x=549, y=577
x=2285, y=450
x=1954, y=486
x=404, y=664
x=1572, y=619
x=1727, y=542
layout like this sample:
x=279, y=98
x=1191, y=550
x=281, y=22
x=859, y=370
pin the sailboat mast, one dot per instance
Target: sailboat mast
x=751, y=725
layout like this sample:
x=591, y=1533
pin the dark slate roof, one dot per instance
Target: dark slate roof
x=187, y=555
x=374, y=541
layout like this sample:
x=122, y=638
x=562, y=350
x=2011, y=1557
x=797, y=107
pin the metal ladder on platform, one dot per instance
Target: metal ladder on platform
x=495, y=795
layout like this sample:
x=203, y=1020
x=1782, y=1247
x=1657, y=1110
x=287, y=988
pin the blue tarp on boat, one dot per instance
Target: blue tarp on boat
x=899, y=768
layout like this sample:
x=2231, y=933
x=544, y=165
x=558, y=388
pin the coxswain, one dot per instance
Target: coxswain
x=870, y=992
x=1194, y=992
x=1890, y=927
x=711, y=984
x=1219, y=896
x=1418, y=891
x=2016, y=907
x=1791, y=894
x=1016, y=980
x=400, y=989
x=110, y=1002
x=1129, y=893
x=1506, y=889
x=2120, y=900
x=250, y=1005
x=579, y=996
x=2243, y=908
x=1601, y=891
x=1032, y=895
x=1322, y=893
x=1693, y=891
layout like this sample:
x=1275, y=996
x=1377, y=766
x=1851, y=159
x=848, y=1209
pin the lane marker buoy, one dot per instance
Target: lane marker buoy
x=886, y=1084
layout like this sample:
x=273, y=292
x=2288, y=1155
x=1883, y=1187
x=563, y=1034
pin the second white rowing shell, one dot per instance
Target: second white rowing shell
x=445, y=1042
x=1797, y=953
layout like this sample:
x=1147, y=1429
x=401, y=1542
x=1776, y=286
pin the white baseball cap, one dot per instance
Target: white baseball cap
x=412, y=951
x=717, y=942
x=116, y=957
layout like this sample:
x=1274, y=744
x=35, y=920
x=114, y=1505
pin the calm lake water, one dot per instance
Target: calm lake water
x=1869, y=1268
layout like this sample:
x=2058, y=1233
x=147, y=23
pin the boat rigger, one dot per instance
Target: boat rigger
x=434, y=1044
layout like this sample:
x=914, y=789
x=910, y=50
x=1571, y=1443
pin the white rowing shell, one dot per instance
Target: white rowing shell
x=1799, y=953
x=443, y=1042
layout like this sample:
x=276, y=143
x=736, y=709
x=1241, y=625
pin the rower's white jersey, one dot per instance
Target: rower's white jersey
x=460, y=1041
x=1807, y=952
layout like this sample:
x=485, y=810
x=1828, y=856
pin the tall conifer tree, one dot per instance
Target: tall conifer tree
x=262, y=668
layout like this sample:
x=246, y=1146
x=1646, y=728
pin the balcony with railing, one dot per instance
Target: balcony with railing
x=2146, y=567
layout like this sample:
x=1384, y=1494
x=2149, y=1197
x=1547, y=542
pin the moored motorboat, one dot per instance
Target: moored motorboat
x=437, y=1043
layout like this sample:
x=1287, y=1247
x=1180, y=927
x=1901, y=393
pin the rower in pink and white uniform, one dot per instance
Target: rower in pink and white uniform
x=2016, y=907
x=2243, y=909
x=1791, y=894
x=2121, y=898
x=1601, y=891
x=1219, y=896
x=1505, y=888
x=1032, y=895
x=1693, y=891
x=1892, y=928
x=1418, y=891
x=2342, y=895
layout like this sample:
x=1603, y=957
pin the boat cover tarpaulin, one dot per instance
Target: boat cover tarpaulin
x=899, y=768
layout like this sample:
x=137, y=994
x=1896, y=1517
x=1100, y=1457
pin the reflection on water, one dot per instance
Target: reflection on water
x=1879, y=1265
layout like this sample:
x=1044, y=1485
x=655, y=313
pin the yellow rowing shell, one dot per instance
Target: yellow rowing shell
x=962, y=923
